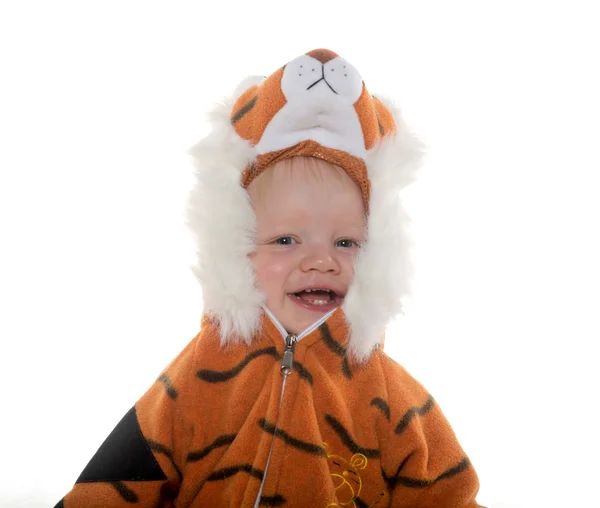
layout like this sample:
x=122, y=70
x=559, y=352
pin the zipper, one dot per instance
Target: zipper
x=287, y=362
x=306, y=332
x=286, y=368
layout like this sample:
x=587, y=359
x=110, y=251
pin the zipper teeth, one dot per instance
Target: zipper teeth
x=314, y=326
x=306, y=332
x=276, y=322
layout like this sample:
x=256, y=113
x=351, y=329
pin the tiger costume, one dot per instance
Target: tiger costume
x=248, y=415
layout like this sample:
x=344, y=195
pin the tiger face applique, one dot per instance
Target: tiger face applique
x=345, y=474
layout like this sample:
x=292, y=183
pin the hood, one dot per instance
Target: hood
x=222, y=221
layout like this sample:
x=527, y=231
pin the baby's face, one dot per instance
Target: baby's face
x=310, y=225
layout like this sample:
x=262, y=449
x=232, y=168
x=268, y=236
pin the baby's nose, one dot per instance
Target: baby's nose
x=321, y=260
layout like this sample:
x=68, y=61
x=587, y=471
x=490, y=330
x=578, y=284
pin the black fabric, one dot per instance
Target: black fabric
x=60, y=504
x=124, y=456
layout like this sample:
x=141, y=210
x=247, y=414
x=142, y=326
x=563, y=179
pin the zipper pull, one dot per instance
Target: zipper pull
x=287, y=362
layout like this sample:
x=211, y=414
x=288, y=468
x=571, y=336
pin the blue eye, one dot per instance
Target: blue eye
x=346, y=243
x=285, y=240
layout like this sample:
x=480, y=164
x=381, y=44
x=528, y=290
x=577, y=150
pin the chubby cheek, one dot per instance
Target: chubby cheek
x=271, y=273
x=347, y=267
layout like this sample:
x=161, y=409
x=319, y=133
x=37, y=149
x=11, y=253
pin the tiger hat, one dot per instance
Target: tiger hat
x=317, y=105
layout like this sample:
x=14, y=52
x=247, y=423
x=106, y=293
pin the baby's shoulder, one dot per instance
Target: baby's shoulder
x=400, y=383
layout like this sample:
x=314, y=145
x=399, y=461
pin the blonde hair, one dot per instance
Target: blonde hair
x=301, y=168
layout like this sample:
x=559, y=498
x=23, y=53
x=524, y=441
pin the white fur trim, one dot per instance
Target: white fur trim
x=244, y=85
x=221, y=218
x=383, y=270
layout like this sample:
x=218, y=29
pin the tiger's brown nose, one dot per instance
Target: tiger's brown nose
x=322, y=55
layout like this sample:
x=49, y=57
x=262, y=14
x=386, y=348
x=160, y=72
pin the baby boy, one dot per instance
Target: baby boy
x=286, y=397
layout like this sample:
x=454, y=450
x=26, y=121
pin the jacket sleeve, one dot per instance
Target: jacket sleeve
x=422, y=461
x=139, y=462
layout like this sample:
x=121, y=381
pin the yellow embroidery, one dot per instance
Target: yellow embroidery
x=346, y=477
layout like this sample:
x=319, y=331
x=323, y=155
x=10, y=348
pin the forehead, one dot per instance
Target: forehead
x=310, y=195
x=305, y=179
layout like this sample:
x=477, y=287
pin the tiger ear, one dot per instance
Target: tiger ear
x=249, y=82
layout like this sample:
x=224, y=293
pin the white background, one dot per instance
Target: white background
x=99, y=102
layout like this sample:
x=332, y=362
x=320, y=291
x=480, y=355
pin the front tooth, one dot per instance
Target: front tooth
x=308, y=290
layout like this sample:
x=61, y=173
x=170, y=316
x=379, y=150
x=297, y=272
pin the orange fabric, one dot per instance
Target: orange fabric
x=368, y=120
x=354, y=166
x=269, y=99
x=384, y=118
x=346, y=435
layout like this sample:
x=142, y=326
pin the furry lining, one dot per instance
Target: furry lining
x=221, y=218
x=383, y=269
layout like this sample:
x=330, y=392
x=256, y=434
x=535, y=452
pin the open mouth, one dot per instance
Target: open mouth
x=317, y=299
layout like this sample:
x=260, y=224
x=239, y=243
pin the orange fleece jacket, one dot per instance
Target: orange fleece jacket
x=214, y=427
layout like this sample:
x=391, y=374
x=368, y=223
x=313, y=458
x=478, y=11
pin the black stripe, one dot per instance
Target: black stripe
x=417, y=483
x=347, y=439
x=213, y=376
x=409, y=415
x=171, y=392
x=462, y=466
x=382, y=405
x=226, y=472
x=158, y=448
x=337, y=348
x=223, y=440
x=311, y=448
x=304, y=374
x=276, y=500
x=242, y=112
x=381, y=131
x=126, y=493
x=346, y=368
